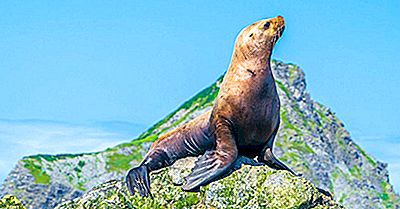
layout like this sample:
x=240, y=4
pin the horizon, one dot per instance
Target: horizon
x=78, y=62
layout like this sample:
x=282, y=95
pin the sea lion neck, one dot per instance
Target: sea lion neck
x=256, y=60
x=250, y=64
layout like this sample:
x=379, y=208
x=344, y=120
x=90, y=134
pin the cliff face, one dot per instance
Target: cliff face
x=311, y=140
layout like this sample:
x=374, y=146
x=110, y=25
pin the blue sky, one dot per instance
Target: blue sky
x=132, y=61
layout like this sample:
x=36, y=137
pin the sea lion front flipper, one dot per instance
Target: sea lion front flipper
x=214, y=163
x=139, y=178
x=190, y=139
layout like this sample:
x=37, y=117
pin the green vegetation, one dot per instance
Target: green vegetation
x=287, y=124
x=342, y=198
x=290, y=156
x=36, y=171
x=302, y=147
x=322, y=116
x=355, y=171
x=283, y=88
x=299, y=113
x=120, y=162
x=369, y=159
x=292, y=72
x=52, y=158
x=81, y=163
x=387, y=197
x=150, y=138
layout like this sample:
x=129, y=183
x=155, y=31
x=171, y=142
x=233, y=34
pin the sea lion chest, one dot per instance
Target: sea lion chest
x=252, y=106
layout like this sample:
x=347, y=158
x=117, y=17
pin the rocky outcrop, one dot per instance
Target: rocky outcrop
x=311, y=140
x=249, y=187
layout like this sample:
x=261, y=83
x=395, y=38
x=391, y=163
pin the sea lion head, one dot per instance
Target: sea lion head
x=260, y=37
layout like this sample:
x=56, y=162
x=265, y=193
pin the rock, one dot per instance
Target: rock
x=250, y=187
x=10, y=202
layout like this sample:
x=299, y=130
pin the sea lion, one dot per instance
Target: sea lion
x=243, y=122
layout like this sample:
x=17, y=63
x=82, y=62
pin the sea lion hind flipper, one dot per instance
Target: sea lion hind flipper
x=268, y=157
x=138, y=178
x=273, y=162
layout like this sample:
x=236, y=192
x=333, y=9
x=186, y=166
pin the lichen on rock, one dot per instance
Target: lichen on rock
x=10, y=202
x=249, y=187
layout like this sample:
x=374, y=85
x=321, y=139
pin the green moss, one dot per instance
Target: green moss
x=340, y=141
x=299, y=113
x=36, y=171
x=120, y=162
x=302, y=147
x=369, y=159
x=136, y=142
x=287, y=124
x=81, y=163
x=340, y=174
x=77, y=169
x=287, y=156
x=150, y=138
x=322, y=116
x=335, y=174
x=355, y=171
x=331, y=187
x=188, y=201
x=292, y=72
x=283, y=88
x=342, y=198
x=384, y=196
x=387, y=197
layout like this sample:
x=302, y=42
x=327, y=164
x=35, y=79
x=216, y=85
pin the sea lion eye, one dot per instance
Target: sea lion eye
x=266, y=25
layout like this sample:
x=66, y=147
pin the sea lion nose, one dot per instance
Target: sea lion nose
x=280, y=20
